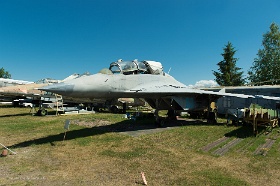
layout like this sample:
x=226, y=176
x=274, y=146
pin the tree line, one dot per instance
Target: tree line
x=265, y=69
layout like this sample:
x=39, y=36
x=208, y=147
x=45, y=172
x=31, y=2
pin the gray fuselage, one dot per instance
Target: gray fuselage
x=112, y=85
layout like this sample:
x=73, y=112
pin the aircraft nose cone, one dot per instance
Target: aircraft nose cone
x=59, y=88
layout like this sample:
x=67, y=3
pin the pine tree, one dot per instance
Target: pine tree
x=266, y=67
x=228, y=74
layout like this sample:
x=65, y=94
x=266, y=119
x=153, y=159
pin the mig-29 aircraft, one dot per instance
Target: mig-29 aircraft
x=139, y=79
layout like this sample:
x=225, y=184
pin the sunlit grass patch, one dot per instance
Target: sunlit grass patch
x=129, y=154
x=100, y=140
x=217, y=177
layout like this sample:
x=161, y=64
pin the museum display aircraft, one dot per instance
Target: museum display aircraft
x=29, y=89
x=4, y=82
x=139, y=79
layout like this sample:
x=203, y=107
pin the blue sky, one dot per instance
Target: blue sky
x=56, y=38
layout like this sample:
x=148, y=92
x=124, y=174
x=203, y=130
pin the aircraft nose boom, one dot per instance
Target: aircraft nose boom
x=60, y=88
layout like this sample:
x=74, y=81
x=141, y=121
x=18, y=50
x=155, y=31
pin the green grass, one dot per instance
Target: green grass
x=97, y=154
x=216, y=177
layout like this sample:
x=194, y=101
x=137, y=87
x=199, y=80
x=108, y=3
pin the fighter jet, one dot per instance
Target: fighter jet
x=139, y=79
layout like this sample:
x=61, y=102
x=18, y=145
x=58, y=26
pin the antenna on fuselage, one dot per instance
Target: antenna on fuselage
x=169, y=70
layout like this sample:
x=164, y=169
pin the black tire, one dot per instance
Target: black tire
x=114, y=109
x=42, y=112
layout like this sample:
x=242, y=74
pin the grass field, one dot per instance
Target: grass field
x=96, y=151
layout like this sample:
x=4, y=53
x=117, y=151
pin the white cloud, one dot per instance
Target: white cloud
x=204, y=84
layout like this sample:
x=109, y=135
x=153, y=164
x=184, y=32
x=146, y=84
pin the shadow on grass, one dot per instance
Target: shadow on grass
x=245, y=131
x=123, y=126
x=59, y=137
x=13, y=115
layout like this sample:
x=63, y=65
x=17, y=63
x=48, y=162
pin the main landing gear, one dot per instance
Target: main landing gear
x=162, y=121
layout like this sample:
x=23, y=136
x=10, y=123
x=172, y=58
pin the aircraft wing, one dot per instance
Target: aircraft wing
x=170, y=90
x=267, y=97
x=186, y=98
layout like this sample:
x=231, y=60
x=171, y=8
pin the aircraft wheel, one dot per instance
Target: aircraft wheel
x=114, y=109
x=42, y=112
x=160, y=123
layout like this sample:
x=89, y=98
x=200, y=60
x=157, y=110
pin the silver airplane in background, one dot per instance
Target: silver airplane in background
x=30, y=89
x=139, y=79
x=4, y=82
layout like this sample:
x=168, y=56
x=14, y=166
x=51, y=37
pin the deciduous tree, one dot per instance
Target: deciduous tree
x=266, y=66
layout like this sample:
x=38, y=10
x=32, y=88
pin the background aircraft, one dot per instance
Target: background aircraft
x=29, y=89
x=18, y=90
x=12, y=82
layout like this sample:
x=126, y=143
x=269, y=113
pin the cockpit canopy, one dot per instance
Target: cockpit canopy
x=136, y=67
